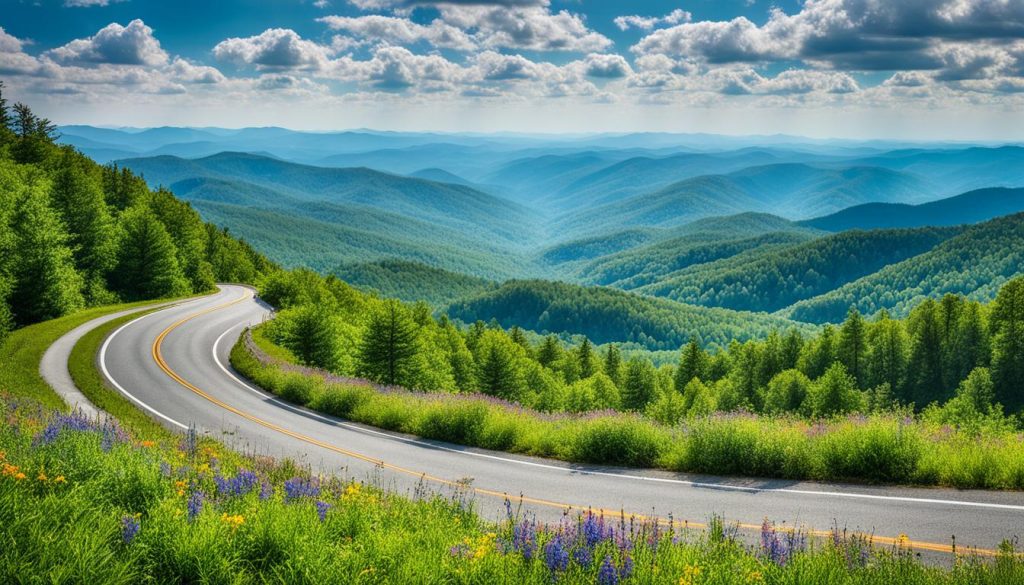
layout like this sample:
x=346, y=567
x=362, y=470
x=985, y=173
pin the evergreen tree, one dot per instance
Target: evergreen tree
x=887, y=353
x=613, y=364
x=387, y=353
x=1008, y=345
x=79, y=198
x=787, y=392
x=606, y=392
x=191, y=242
x=550, y=351
x=769, y=362
x=972, y=343
x=853, y=346
x=45, y=283
x=639, y=388
x=6, y=134
x=147, y=263
x=698, y=398
x=498, y=373
x=792, y=346
x=925, y=379
x=693, y=363
x=312, y=335
x=35, y=136
x=819, y=354
x=586, y=359
x=668, y=409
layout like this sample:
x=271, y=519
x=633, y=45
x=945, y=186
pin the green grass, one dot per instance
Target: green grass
x=24, y=348
x=880, y=448
x=84, y=371
x=70, y=488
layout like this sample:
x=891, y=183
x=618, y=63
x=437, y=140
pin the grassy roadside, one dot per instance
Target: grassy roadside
x=891, y=448
x=85, y=372
x=23, y=349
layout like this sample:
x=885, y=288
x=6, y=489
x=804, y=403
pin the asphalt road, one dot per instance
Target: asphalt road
x=174, y=364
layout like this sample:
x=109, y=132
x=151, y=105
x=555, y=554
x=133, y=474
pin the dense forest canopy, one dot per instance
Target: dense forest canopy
x=75, y=234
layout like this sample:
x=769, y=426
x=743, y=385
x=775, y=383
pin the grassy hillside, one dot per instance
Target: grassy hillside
x=771, y=278
x=607, y=315
x=411, y=281
x=971, y=207
x=975, y=263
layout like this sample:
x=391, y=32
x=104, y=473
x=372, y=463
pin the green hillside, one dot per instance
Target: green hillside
x=606, y=315
x=411, y=281
x=975, y=264
x=769, y=279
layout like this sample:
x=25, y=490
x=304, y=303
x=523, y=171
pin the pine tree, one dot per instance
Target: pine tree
x=639, y=388
x=1008, y=345
x=519, y=338
x=819, y=354
x=586, y=359
x=550, y=351
x=613, y=364
x=387, y=353
x=6, y=134
x=498, y=373
x=35, y=135
x=925, y=379
x=147, y=263
x=887, y=353
x=787, y=392
x=45, y=283
x=698, y=398
x=79, y=198
x=792, y=345
x=693, y=363
x=312, y=336
x=835, y=393
x=853, y=346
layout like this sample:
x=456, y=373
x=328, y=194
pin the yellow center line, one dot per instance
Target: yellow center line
x=901, y=541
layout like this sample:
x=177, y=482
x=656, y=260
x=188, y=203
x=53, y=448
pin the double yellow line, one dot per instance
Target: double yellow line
x=901, y=541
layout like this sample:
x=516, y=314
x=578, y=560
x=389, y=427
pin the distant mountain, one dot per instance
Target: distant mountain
x=972, y=207
x=976, y=263
x=455, y=206
x=769, y=278
x=957, y=170
x=538, y=179
x=412, y=281
x=789, y=189
x=607, y=315
x=441, y=176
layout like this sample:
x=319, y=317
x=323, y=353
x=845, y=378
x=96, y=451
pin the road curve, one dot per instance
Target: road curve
x=173, y=363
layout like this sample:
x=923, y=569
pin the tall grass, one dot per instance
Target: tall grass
x=880, y=448
x=84, y=501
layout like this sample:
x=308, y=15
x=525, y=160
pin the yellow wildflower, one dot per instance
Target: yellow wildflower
x=147, y=444
x=755, y=577
x=234, y=521
x=59, y=479
x=690, y=575
x=42, y=476
x=353, y=490
x=902, y=540
x=19, y=476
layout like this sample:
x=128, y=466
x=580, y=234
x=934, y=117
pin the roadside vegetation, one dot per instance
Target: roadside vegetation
x=84, y=500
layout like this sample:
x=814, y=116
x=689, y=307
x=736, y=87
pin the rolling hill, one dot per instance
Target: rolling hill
x=607, y=315
x=412, y=281
x=975, y=263
x=770, y=278
x=971, y=207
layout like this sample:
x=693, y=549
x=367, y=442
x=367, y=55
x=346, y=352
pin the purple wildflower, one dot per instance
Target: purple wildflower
x=594, y=530
x=298, y=487
x=76, y=421
x=165, y=469
x=627, y=568
x=321, y=509
x=129, y=528
x=583, y=556
x=607, y=575
x=195, y=504
x=241, y=484
x=266, y=491
x=556, y=556
x=524, y=538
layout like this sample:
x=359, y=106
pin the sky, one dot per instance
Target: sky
x=859, y=69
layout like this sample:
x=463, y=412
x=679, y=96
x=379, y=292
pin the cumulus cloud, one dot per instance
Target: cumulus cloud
x=188, y=72
x=274, y=48
x=649, y=22
x=533, y=28
x=114, y=44
x=608, y=66
x=13, y=59
x=852, y=35
x=401, y=31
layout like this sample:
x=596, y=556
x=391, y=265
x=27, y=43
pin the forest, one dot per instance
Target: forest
x=955, y=360
x=75, y=234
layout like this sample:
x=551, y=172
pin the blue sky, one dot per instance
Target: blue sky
x=916, y=69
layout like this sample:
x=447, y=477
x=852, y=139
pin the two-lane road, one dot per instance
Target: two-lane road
x=174, y=364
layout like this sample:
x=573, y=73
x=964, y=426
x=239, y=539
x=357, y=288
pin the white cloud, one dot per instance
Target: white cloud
x=401, y=31
x=113, y=44
x=185, y=71
x=610, y=66
x=274, y=48
x=13, y=59
x=89, y=3
x=649, y=22
x=533, y=28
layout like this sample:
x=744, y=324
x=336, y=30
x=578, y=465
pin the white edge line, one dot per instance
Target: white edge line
x=120, y=388
x=333, y=422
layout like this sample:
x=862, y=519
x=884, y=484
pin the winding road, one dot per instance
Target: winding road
x=173, y=363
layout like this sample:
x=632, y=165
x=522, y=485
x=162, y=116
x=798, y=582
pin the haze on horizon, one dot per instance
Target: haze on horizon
x=916, y=70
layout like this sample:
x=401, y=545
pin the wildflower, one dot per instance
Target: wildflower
x=165, y=469
x=524, y=539
x=627, y=568
x=297, y=487
x=902, y=540
x=239, y=485
x=321, y=509
x=690, y=575
x=59, y=479
x=583, y=556
x=607, y=575
x=42, y=476
x=129, y=527
x=19, y=476
x=266, y=491
x=234, y=521
x=147, y=444
x=556, y=557
x=195, y=504
x=755, y=577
